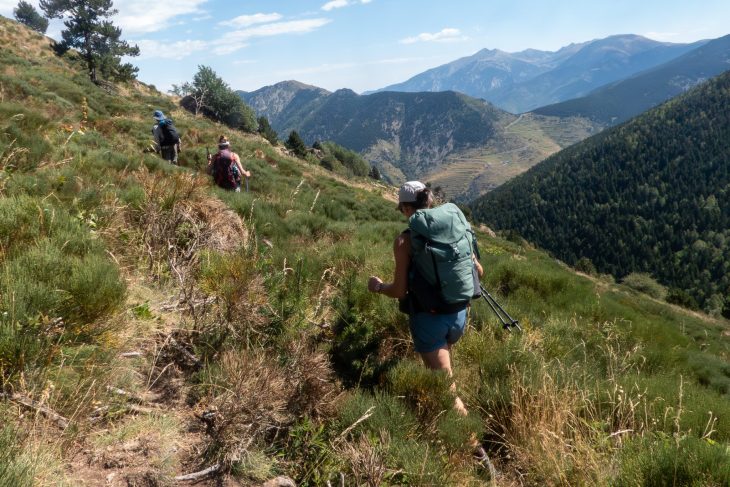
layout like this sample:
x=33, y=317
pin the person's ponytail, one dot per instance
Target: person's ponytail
x=424, y=199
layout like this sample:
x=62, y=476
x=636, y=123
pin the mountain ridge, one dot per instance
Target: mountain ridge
x=619, y=101
x=531, y=78
x=413, y=135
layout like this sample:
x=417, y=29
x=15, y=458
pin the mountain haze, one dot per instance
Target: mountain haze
x=520, y=82
x=617, y=102
x=650, y=196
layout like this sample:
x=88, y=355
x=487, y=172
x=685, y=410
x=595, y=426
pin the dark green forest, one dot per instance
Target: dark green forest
x=647, y=196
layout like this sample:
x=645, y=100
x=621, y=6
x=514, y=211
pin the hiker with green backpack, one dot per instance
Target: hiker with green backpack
x=436, y=275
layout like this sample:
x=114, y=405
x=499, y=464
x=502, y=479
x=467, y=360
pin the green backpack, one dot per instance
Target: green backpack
x=442, y=277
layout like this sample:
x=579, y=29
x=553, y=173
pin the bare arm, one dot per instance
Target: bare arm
x=399, y=287
x=241, y=170
x=480, y=269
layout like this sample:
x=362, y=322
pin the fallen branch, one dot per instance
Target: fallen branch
x=364, y=417
x=130, y=354
x=184, y=304
x=142, y=410
x=128, y=395
x=29, y=403
x=199, y=475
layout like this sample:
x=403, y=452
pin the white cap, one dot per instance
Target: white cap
x=407, y=193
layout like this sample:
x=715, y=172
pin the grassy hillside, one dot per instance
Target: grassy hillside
x=152, y=325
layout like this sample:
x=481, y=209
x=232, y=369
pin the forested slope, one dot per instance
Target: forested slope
x=651, y=196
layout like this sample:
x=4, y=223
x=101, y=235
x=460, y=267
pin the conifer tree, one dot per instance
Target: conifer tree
x=295, y=144
x=97, y=39
x=26, y=14
x=267, y=131
x=374, y=173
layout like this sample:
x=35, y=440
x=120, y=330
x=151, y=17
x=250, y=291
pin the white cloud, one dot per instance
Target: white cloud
x=248, y=20
x=445, y=35
x=151, y=49
x=224, y=48
x=278, y=28
x=333, y=4
x=229, y=43
x=143, y=16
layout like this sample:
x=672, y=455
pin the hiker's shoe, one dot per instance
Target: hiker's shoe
x=480, y=455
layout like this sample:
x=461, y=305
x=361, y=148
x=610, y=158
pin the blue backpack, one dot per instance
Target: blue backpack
x=170, y=135
x=442, y=275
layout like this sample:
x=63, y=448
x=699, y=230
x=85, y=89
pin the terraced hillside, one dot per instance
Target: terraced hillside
x=152, y=326
x=529, y=139
x=462, y=144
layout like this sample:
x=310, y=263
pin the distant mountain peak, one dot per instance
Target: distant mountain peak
x=531, y=78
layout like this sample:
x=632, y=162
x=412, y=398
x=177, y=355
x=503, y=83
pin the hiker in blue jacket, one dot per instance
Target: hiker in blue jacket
x=167, y=139
x=433, y=332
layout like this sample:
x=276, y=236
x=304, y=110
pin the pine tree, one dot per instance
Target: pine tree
x=295, y=144
x=26, y=14
x=375, y=173
x=97, y=39
x=267, y=131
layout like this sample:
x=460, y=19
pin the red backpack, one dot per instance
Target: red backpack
x=225, y=170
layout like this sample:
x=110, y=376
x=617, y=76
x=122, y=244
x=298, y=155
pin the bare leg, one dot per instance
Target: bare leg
x=441, y=360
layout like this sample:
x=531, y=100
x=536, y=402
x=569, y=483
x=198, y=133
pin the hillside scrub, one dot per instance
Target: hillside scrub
x=240, y=332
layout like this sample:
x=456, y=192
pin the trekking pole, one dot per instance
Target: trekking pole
x=507, y=321
x=247, y=184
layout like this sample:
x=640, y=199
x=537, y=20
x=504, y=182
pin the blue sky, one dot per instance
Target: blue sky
x=368, y=44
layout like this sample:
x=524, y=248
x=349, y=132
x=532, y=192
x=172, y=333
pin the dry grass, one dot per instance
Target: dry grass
x=250, y=404
x=366, y=459
x=548, y=437
x=310, y=373
x=175, y=221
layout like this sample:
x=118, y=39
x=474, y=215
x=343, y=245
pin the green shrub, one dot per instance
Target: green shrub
x=57, y=284
x=22, y=144
x=585, y=266
x=681, y=297
x=388, y=414
x=661, y=460
x=644, y=283
x=425, y=390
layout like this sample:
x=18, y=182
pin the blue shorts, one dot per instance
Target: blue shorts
x=431, y=331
